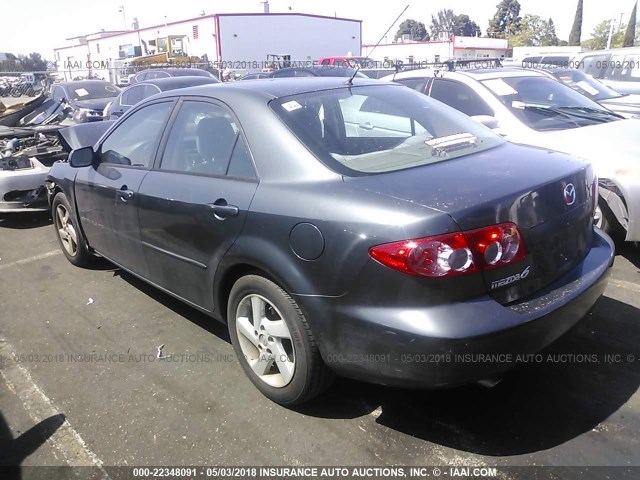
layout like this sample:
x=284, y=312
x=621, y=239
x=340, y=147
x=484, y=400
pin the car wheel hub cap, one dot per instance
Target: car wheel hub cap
x=66, y=231
x=597, y=217
x=265, y=340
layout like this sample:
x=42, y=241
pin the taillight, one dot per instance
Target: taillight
x=594, y=193
x=454, y=254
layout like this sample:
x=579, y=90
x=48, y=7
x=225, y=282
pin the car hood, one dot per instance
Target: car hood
x=627, y=104
x=94, y=104
x=610, y=147
x=83, y=134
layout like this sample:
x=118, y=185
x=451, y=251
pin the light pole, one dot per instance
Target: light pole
x=124, y=17
x=613, y=21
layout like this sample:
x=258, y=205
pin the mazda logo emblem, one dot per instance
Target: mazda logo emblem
x=569, y=194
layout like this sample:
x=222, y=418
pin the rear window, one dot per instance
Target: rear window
x=374, y=129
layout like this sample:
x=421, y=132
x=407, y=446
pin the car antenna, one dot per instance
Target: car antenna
x=350, y=81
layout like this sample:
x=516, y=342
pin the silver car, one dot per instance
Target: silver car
x=528, y=107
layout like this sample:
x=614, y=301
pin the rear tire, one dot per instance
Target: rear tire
x=69, y=236
x=273, y=342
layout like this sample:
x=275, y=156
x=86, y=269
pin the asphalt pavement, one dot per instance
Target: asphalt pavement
x=81, y=383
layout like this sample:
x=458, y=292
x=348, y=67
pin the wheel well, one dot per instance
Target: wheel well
x=231, y=276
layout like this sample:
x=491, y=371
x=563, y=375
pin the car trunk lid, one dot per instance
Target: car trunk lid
x=546, y=194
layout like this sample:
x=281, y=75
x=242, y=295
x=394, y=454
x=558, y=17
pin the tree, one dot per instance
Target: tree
x=576, y=29
x=535, y=32
x=448, y=22
x=550, y=38
x=33, y=62
x=630, y=34
x=416, y=29
x=600, y=35
x=506, y=20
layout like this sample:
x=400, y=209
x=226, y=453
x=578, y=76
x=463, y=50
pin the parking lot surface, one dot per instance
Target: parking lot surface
x=84, y=345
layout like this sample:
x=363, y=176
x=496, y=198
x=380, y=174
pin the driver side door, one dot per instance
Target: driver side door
x=107, y=192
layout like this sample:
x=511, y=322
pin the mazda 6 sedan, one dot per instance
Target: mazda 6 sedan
x=339, y=226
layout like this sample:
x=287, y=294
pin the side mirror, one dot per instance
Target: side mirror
x=487, y=120
x=83, y=157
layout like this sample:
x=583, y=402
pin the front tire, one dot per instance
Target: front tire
x=273, y=342
x=69, y=236
x=606, y=220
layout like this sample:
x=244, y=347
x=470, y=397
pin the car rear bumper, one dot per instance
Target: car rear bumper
x=457, y=343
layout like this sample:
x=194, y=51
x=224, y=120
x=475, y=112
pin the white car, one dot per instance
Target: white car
x=531, y=108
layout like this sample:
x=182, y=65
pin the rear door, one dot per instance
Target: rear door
x=194, y=203
x=107, y=192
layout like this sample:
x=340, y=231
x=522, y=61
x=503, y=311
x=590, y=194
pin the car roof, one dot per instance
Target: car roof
x=79, y=83
x=176, y=71
x=477, y=74
x=172, y=83
x=270, y=88
x=316, y=70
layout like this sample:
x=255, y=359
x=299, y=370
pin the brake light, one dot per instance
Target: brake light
x=454, y=254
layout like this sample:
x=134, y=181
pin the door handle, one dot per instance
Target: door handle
x=221, y=209
x=124, y=194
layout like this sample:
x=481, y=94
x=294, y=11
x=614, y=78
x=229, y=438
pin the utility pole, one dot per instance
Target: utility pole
x=613, y=21
x=124, y=18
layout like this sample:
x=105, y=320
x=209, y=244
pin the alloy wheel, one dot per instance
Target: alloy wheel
x=265, y=340
x=66, y=230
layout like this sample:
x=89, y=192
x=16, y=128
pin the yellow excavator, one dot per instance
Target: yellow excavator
x=168, y=50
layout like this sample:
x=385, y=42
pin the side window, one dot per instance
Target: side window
x=132, y=95
x=161, y=75
x=628, y=68
x=241, y=164
x=616, y=69
x=133, y=142
x=141, y=77
x=414, y=83
x=202, y=140
x=459, y=96
x=149, y=90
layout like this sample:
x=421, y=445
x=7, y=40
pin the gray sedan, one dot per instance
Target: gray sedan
x=339, y=227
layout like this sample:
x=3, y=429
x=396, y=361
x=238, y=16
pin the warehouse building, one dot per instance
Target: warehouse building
x=450, y=47
x=238, y=41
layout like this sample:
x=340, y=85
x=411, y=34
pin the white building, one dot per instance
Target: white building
x=239, y=41
x=438, y=50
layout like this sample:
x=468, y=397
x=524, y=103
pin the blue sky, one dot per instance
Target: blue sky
x=40, y=25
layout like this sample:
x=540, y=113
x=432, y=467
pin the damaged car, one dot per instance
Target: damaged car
x=86, y=99
x=26, y=155
x=30, y=143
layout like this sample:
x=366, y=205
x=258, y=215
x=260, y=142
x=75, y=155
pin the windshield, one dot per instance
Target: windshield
x=585, y=84
x=381, y=128
x=545, y=104
x=91, y=90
